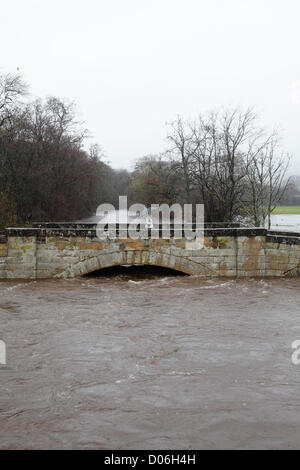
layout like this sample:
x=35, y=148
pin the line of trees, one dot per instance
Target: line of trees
x=231, y=164
x=45, y=172
x=224, y=160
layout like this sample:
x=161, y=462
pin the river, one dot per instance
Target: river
x=143, y=359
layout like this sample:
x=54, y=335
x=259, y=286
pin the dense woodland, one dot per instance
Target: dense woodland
x=224, y=159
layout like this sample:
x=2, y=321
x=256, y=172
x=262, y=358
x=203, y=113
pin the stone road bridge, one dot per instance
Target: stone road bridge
x=66, y=250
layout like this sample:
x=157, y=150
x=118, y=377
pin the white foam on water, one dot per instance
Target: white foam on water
x=20, y=285
x=224, y=284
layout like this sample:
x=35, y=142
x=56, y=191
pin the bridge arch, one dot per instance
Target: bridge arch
x=119, y=258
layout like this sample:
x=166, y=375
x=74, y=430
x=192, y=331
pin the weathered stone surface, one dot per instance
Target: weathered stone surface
x=21, y=257
x=71, y=250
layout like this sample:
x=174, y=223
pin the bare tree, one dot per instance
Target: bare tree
x=12, y=88
x=267, y=182
x=223, y=149
x=182, y=149
x=229, y=163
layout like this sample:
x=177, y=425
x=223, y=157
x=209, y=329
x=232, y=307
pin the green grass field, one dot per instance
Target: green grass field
x=286, y=210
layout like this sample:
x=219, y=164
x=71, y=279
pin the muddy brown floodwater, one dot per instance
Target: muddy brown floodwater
x=148, y=360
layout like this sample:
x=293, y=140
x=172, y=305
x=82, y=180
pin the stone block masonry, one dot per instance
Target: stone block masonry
x=72, y=250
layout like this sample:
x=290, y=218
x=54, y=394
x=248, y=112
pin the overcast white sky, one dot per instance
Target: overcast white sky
x=133, y=65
